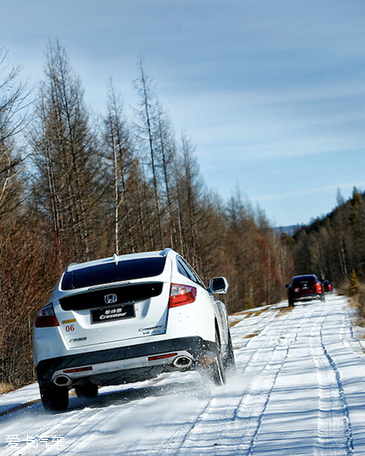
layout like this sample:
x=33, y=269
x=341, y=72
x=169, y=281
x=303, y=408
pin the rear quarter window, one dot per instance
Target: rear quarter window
x=185, y=269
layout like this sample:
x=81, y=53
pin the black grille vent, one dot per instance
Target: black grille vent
x=124, y=294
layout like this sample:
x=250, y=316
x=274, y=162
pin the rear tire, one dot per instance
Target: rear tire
x=89, y=390
x=229, y=362
x=216, y=371
x=290, y=302
x=54, y=398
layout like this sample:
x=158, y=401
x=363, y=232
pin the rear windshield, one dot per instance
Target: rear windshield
x=304, y=279
x=112, y=272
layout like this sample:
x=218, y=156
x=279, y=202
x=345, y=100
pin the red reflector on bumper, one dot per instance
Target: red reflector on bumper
x=153, y=358
x=78, y=369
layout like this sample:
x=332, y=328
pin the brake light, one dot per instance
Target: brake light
x=46, y=317
x=181, y=295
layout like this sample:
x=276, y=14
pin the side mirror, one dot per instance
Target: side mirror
x=218, y=285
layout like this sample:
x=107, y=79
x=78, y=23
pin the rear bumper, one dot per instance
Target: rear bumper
x=307, y=297
x=131, y=363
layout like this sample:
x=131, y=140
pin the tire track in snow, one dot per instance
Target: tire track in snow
x=237, y=433
x=334, y=425
x=207, y=424
x=347, y=336
x=94, y=429
x=102, y=427
x=81, y=425
x=264, y=384
x=175, y=441
x=224, y=421
x=70, y=426
x=255, y=325
x=78, y=419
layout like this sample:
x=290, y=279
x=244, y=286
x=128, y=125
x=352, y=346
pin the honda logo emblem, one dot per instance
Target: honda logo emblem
x=110, y=299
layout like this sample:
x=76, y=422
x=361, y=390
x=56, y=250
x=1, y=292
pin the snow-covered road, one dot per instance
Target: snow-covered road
x=299, y=389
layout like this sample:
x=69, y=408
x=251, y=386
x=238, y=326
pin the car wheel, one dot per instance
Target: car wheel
x=89, y=390
x=54, y=398
x=291, y=302
x=217, y=372
x=229, y=362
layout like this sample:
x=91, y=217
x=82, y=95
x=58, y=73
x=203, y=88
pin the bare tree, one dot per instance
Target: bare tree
x=148, y=138
x=190, y=199
x=13, y=117
x=65, y=152
x=119, y=151
x=167, y=153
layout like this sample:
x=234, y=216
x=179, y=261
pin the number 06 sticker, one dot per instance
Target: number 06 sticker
x=69, y=327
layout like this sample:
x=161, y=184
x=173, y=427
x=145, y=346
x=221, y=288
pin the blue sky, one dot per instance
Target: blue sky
x=271, y=92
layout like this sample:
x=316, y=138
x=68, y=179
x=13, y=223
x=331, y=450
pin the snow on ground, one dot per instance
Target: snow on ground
x=299, y=389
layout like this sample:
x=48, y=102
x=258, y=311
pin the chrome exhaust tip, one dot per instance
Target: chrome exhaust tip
x=62, y=380
x=182, y=362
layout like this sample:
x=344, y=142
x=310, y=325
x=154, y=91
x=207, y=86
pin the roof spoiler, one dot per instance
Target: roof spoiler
x=165, y=252
x=69, y=266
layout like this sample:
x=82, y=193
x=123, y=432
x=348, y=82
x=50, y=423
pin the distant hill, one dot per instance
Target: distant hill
x=287, y=229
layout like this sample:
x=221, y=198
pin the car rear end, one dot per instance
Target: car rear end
x=119, y=320
x=305, y=288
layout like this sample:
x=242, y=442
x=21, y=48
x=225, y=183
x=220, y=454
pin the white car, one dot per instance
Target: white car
x=125, y=319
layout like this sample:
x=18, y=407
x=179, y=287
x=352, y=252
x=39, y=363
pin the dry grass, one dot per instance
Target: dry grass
x=6, y=387
x=250, y=336
x=359, y=300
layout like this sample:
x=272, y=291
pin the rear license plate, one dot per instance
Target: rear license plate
x=120, y=312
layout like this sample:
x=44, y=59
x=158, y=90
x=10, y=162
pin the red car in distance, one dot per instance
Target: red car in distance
x=327, y=286
x=304, y=288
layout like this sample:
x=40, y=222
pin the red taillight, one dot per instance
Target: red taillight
x=46, y=317
x=181, y=295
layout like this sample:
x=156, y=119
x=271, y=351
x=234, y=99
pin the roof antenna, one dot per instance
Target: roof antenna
x=115, y=259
